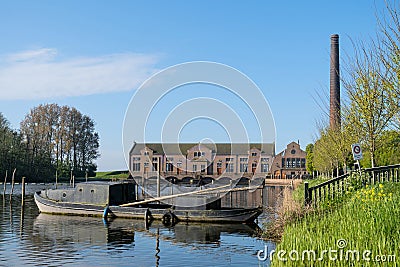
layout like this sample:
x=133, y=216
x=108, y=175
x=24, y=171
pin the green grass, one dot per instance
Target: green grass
x=367, y=219
x=298, y=194
x=112, y=175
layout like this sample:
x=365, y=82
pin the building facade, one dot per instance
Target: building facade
x=290, y=163
x=206, y=160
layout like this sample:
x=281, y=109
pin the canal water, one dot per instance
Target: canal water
x=33, y=239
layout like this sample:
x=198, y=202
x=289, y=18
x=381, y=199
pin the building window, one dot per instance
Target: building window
x=219, y=164
x=229, y=167
x=169, y=167
x=155, y=166
x=264, y=159
x=298, y=163
x=136, y=167
x=254, y=154
x=136, y=158
x=228, y=159
x=170, y=159
x=253, y=167
x=146, y=153
x=244, y=159
x=194, y=168
x=198, y=154
x=283, y=163
x=155, y=159
x=293, y=163
x=243, y=167
x=203, y=168
x=264, y=167
x=146, y=164
x=303, y=163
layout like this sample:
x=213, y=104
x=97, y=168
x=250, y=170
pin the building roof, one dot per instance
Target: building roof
x=219, y=148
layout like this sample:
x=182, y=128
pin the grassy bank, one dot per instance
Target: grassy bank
x=361, y=230
x=113, y=175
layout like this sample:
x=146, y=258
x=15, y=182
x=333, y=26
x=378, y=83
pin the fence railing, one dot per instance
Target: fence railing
x=338, y=186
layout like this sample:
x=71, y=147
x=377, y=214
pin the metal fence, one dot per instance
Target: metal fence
x=338, y=186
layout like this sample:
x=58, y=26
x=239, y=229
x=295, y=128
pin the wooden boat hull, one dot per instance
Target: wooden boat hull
x=49, y=206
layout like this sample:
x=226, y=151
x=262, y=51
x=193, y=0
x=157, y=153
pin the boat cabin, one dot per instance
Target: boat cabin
x=97, y=193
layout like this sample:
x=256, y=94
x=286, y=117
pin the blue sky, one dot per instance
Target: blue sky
x=93, y=55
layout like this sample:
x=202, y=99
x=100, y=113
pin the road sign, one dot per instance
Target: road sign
x=357, y=152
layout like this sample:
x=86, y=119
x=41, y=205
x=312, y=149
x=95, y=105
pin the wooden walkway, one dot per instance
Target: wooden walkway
x=283, y=182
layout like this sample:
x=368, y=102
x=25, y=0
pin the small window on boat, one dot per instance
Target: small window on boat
x=92, y=191
x=80, y=189
x=64, y=194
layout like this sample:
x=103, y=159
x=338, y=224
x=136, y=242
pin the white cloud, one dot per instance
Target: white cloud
x=37, y=74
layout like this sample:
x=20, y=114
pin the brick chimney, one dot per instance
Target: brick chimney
x=334, y=113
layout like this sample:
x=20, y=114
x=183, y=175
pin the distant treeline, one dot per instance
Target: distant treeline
x=51, y=139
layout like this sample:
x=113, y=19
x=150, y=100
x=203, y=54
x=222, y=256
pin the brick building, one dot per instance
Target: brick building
x=213, y=160
x=290, y=163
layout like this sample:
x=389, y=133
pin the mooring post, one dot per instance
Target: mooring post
x=5, y=182
x=73, y=181
x=12, y=184
x=23, y=194
x=307, y=198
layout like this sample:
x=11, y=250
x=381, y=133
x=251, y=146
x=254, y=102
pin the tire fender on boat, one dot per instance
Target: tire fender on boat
x=169, y=219
x=147, y=216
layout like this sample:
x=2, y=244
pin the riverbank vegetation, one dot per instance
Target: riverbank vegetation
x=113, y=175
x=363, y=225
x=361, y=228
x=52, y=140
x=370, y=108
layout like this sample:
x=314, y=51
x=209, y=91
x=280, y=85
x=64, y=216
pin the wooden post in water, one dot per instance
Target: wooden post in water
x=70, y=180
x=56, y=178
x=21, y=224
x=5, y=183
x=23, y=194
x=12, y=184
x=158, y=187
x=158, y=177
x=73, y=181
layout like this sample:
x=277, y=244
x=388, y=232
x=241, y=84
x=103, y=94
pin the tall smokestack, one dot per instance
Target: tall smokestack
x=334, y=113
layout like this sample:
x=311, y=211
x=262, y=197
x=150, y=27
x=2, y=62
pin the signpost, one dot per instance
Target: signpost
x=357, y=154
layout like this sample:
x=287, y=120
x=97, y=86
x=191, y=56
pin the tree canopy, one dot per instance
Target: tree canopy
x=51, y=139
x=371, y=112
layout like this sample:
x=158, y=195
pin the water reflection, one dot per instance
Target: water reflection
x=82, y=230
x=59, y=236
x=30, y=238
x=122, y=231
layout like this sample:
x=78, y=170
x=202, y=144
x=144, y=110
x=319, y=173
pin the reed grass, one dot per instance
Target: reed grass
x=289, y=209
x=363, y=220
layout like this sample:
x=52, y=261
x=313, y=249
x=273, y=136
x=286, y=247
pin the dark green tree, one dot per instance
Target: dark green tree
x=310, y=158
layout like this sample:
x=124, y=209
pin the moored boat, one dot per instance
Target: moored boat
x=104, y=198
